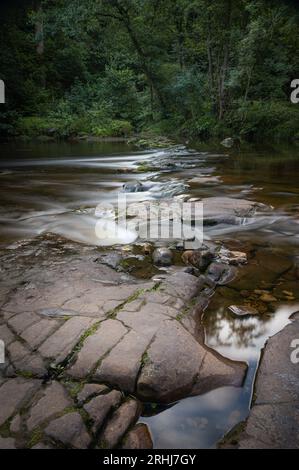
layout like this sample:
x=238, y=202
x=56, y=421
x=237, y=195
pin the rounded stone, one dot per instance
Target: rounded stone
x=162, y=256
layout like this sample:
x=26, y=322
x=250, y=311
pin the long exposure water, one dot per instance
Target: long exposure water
x=56, y=187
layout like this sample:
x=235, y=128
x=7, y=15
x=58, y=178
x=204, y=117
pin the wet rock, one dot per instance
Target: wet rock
x=112, y=260
x=147, y=248
x=220, y=273
x=70, y=430
x=162, y=256
x=14, y=393
x=53, y=401
x=287, y=290
x=121, y=420
x=138, y=438
x=90, y=390
x=99, y=407
x=243, y=310
x=133, y=187
x=232, y=257
x=182, y=286
x=198, y=258
x=228, y=210
x=267, y=297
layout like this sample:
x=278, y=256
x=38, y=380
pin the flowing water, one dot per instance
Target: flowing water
x=56, y=188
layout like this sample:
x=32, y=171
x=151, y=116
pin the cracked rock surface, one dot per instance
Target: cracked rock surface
x=81, y=337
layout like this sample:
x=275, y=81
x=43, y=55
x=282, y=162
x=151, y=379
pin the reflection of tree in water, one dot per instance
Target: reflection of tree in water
x=226, y=330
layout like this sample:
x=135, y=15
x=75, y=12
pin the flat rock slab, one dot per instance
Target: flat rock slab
x=96, y=346
x=53, y=401
x=59, y=345
x=91, y=390
x=120, y=368
x=126, y=415
x=274, y=418
x=14, y=393
x=23, y=360
x=99, y=407
x=70, y=430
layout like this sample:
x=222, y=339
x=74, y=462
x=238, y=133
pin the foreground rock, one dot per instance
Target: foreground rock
x=273, y=421
x=77, y=320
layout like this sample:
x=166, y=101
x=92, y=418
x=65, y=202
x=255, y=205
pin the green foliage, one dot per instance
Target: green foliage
x=107, y=68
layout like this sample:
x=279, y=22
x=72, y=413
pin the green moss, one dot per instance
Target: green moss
x=25, y=373
x=5, y=428
x=35, y=437
x=144, y=359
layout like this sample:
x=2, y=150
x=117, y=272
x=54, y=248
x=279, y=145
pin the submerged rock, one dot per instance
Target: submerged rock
x=220, y=273
x=133, y=187
x=243, y=310
x=232, y=257
x=267, y=297
x=162, y=256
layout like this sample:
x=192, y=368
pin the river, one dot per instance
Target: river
x=55, y=188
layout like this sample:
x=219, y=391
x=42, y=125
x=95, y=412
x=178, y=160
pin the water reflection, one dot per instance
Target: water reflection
x=200, y=422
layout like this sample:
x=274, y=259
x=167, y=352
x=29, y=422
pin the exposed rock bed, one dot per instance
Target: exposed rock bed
x=81, y=338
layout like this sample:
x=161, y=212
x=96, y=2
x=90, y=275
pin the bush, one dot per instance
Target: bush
x=273, y=120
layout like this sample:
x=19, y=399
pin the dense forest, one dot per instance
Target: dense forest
x=196, y=68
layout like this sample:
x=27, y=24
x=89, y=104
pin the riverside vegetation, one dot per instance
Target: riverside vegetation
x=110, y=68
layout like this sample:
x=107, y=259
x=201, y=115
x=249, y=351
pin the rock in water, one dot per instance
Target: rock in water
x=200, y=259
x=243, y=310
x=232, y=257
x=162, y=256
x=133, y=187
x=267, y=297
x=228, y=142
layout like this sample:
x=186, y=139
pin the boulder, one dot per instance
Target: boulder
x=162, y=256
